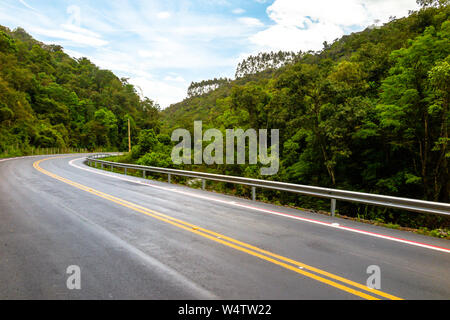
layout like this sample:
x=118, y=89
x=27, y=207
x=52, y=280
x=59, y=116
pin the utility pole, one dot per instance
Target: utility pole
x=129, y=136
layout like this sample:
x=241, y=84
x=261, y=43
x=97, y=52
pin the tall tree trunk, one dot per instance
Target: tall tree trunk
x=441, y=174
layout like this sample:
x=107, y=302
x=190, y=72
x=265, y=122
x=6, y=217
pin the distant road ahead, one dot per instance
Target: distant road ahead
x=141, y=239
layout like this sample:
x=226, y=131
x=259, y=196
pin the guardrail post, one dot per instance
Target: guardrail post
x=254, y=193
x=203, y=184
x=333, y=207
x=112, y=168
x=169, y=178
x=143, y=174
x=102, y=165
x=125, y=171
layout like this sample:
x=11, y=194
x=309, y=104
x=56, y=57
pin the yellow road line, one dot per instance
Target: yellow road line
x=233, y=243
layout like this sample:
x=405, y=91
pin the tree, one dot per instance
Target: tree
x=147, y=141
x=108, y=120
x=6, y=114
x=439, y=77
x=7, y=44
x=406, y=96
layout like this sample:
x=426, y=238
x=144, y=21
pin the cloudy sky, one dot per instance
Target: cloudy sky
x=163, y=45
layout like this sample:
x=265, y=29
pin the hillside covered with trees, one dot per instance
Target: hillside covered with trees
x=367, y=113
x=50, y=100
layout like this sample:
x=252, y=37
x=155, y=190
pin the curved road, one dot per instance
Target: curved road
x=134, y=238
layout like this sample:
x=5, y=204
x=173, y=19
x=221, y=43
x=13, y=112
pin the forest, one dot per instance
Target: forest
x=369, y=112
x=50, y=100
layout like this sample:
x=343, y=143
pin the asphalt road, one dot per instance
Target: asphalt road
x=140, y=239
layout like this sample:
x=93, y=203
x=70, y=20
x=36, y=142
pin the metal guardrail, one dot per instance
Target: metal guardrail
x=333, y=194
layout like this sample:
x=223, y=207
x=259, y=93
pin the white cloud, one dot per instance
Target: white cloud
x=166, y=91
x=150, y=54
x=297, y=13
x=383, y=9
x=75, y=38
x=27, y=5
x=238, y=11
x=291, y=38
x=80, y=30
x=163, y=15
x=74, y=54
x=175, y=79
x=305, y=25
x=251, y=22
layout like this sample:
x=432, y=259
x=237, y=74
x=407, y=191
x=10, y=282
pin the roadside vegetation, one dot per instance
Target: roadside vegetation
x=233, y=190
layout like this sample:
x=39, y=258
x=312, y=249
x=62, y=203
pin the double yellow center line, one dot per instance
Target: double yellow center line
x=295, y=266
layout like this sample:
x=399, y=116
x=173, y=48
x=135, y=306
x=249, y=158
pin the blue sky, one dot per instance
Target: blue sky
x=163, y=45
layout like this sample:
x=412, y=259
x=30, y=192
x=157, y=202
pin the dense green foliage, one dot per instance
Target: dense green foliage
x=367, y=113
x=370, y=112
x=48, y=99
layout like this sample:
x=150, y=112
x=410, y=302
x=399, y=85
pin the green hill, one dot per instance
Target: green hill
x=48, y=99
x=370, y=112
